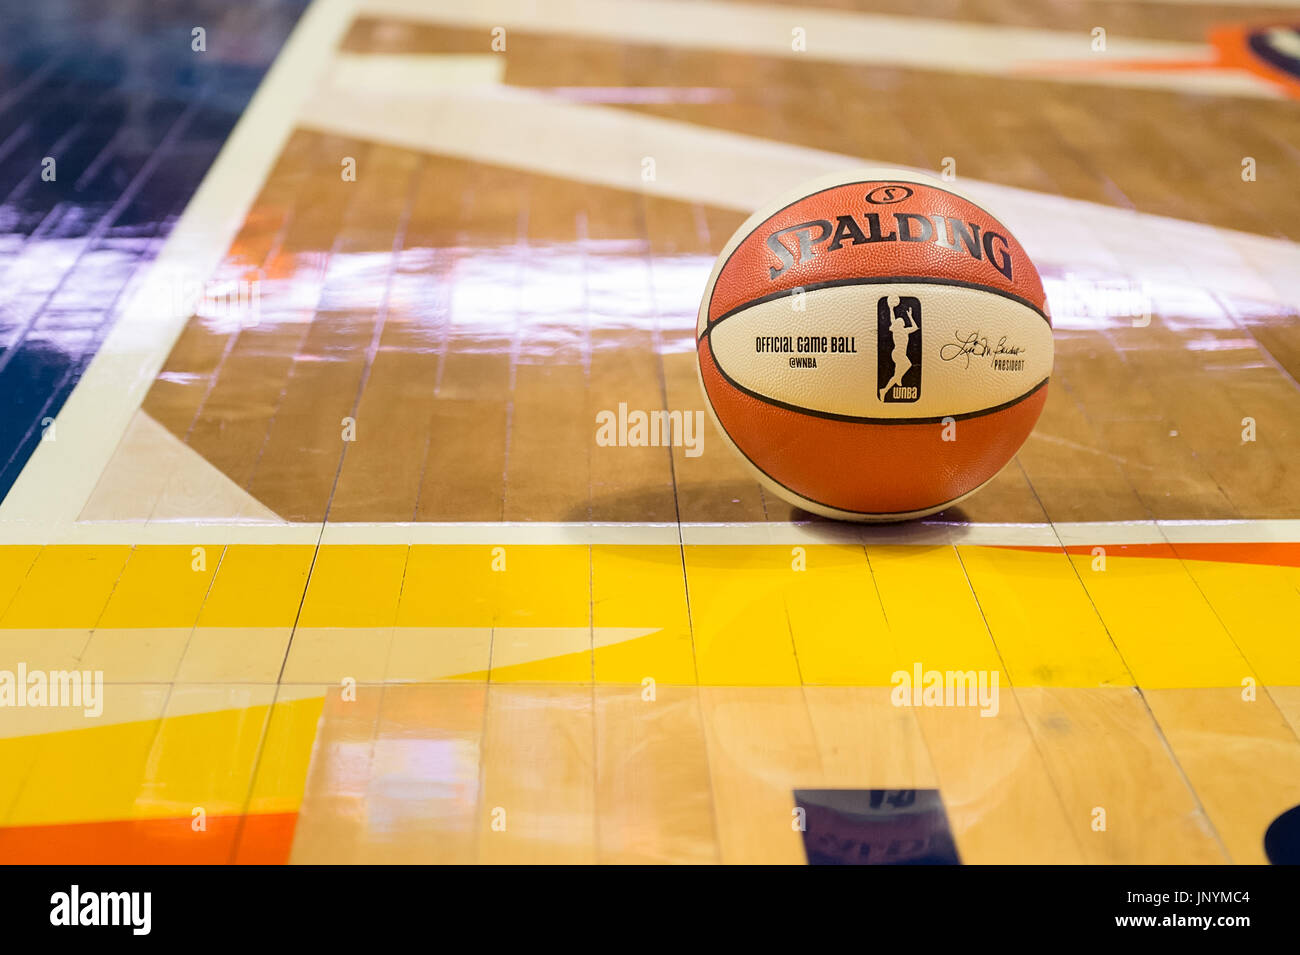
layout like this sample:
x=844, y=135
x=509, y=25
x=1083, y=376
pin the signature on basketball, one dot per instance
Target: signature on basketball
x=978, y=346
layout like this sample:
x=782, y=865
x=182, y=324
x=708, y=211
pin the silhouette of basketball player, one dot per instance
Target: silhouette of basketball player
x=900, y=330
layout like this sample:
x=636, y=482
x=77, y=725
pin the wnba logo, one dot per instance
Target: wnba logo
x=898, y=348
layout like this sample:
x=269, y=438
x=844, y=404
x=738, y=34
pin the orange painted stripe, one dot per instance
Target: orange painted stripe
x=1229, y=51
x=1075, y=67
x=1272, y=553
x=265, y=839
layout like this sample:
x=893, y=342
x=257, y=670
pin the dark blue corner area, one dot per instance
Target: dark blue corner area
x=133, y=117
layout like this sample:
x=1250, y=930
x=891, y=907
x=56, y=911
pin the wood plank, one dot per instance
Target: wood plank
x=1241, y=758
x=653, y=798
x=538, y=800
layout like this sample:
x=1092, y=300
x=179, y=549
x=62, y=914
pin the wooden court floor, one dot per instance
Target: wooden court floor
x=361, y=585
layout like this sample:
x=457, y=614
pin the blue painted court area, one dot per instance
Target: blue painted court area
x=132, y=117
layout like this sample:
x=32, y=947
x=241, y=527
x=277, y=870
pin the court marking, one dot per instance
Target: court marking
x=839, y=37
x=734, y=171
x=415, y=70
x=756, y=615
x=921, y=533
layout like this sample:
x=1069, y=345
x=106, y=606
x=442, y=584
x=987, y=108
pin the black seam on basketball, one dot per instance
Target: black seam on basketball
x=799, y=494
x=880, y=280
x=838, y=185
x=862, y=419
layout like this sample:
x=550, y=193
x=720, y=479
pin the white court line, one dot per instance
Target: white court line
x=606, y=146
x=181, y=533
x=383, y=71
x=1230, y=532
x=524, y=533
x=766, y=29
x=835, y=36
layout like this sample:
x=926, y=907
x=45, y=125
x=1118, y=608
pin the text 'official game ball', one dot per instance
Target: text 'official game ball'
x=876, y=346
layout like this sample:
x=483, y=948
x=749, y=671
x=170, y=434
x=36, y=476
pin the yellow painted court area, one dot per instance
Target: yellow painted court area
x=200, y=749
x=743, y=615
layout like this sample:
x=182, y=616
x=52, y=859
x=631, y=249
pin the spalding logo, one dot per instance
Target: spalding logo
x=884, y=195
x=806, y=238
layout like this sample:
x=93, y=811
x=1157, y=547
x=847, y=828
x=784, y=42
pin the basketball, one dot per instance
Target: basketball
x=876, y=346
